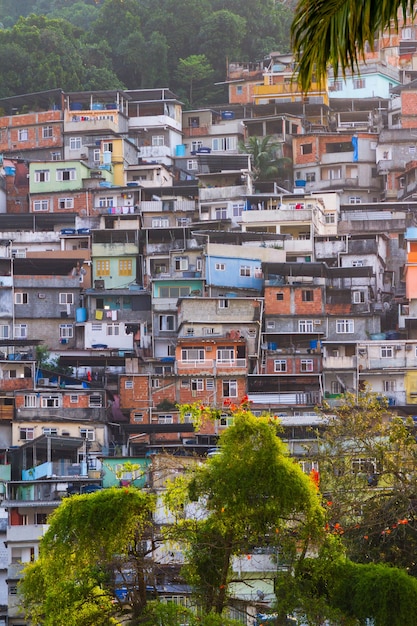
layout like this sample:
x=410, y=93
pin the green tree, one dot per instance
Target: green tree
x=368, y=475
x=90, y=538
x=254, y=494
x=266, y=164
x=336, y=32
x=220, y=38
x=191, y=73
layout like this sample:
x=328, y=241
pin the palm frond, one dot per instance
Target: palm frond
x=335, y=33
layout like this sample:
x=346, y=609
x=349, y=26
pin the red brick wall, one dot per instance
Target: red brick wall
x=9, y=139
x=409, y=109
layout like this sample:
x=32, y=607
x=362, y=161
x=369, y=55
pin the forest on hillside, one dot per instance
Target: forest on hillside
x=135, y=44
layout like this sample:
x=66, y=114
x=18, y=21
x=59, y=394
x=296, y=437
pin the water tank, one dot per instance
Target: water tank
x=10, y=171
x=81, y=314
x=228, y=115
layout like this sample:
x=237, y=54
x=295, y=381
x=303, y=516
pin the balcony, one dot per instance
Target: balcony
x=54, y=469
x=222, y=193
x=167, y=206
x=154, y=152
x=339, y=362
x=27, y=533
x=145, y=122
x=212, y=366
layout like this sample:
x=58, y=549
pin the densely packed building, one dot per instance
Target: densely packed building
x=143, y=266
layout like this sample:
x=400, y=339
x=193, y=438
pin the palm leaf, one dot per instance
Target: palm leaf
x=335, y=32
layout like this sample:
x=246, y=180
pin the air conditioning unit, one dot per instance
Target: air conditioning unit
x=408, y=347
x=83, y=156
x=99, y=284
x=317, y=322
x=42, y=382
x=41, y=296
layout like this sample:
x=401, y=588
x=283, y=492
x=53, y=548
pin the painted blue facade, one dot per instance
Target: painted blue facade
x=234, y=273
x=363, y=86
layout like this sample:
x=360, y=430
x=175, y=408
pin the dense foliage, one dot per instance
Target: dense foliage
x=87, y=44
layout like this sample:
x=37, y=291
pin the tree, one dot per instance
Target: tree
x=368, y=475
x=254, y=494
x=91, y=538
x=192, y=72
x=336, y=32
x=266, y=165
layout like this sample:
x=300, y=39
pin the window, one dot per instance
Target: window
x=357, y=263
x=65, y=203
x=307, y=295
x=306, y=148
x=103, y=268
x=220, y=267
x=47, y=132
x=174, y=292
x=51, y=401
x=113, y=329
x=280, y=365
x=30, y=401
x=229, y=389
x=166, y=322
x=74, y=398
x=337, y=85
x=387, y=352
x=95, y=401
x=225, y=354
x=105, y=202
x=96, y=155
x=88, y=433
x=270, y=324
x=55, y=156
x=4, y=331
x=125, y=267
x=160, y=222
x=406, y=33
x=66, y=331
x=20, y=331
x=358, y=297
x=196, y=145
x=96, y=328
x=23, y=134
x=40, y=205
x=41, y=176
x=21, y=297
x=221, y=213
x=48, y=430
x=107, y=146
x=306, y=365
x=158, y=140
x=223, y=304
x=165, y=419
x=239, y=90
x=75, y=143
x=336, y=387
x=128, y=384
x=138, y=417
x=66, y=298
x=245, y=270
x=155, y=383
x=345, y=326
x=280, y=295
x=210, y=384
x=305, y=326
x=311, y=177
x=193, y=354
x=192, y=165
x=389, y=385
x=332, y=173
x=181, y=263
x=66, y=174
x=330, y=218
x=359, y=83
x=238, y=209
x=222, y=144
x=26, y=434
x=197, y=384
x=354, y=200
